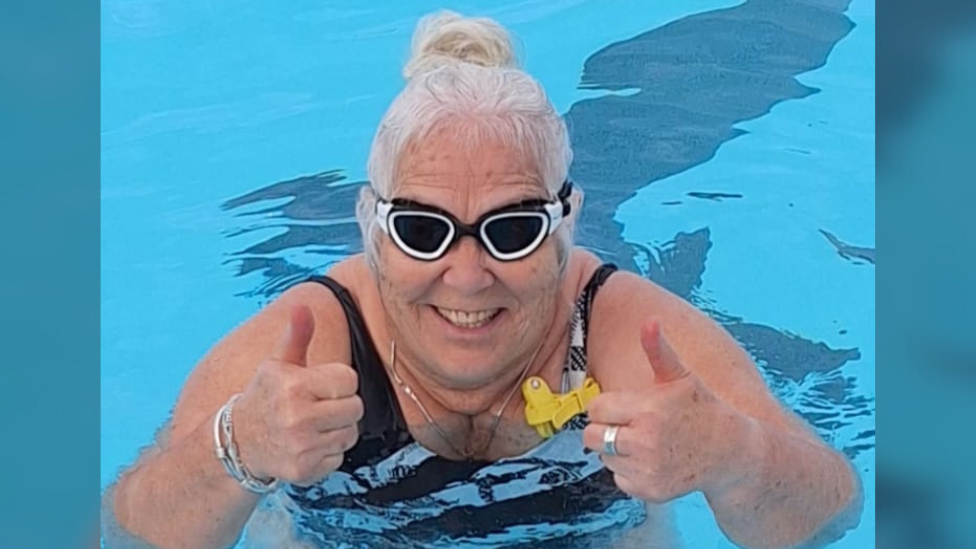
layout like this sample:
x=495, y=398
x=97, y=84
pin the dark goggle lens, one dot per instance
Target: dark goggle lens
x=513, y=234
x=422, y=233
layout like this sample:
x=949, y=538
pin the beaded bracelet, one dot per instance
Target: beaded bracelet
x=228, y=455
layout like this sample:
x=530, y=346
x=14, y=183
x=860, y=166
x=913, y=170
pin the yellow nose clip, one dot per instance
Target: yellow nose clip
x=547, y=412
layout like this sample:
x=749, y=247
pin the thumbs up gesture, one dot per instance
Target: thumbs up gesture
x=295, y=421
x=668, y=436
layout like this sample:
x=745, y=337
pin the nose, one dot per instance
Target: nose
x=466, y=270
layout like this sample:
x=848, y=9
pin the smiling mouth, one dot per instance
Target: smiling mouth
x=466, y=319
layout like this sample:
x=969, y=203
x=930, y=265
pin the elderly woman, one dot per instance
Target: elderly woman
x=389, y=402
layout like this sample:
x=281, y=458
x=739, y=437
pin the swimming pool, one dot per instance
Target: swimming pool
x=726, y=148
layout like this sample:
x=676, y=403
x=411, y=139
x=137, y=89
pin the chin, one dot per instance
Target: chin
x=464, y=366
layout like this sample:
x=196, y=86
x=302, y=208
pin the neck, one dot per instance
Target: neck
x=439, y=395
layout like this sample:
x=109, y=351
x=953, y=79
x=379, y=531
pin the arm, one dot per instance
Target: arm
x=792, y=493
x=179, y=481
x=769, y=479
x=181, y=484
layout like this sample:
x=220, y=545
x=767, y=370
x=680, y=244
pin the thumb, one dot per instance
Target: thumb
x=661, y=357
x=293, y=345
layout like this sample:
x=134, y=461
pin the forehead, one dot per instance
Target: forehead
x=463, y=163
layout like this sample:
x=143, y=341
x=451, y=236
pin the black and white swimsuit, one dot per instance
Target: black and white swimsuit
x=392, y=492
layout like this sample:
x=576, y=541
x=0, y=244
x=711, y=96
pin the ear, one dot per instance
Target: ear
x=576, y=200
x=575, y=206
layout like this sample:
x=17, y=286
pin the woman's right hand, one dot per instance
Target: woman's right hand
x=295, y=421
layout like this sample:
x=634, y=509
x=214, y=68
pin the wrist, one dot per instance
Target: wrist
x=226, y=450
x=743, y=462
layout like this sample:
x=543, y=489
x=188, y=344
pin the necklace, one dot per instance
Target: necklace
x=430, y=420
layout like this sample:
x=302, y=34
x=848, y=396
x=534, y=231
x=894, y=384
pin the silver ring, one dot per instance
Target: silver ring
x=610, y=440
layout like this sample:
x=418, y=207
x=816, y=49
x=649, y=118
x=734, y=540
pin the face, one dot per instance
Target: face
x=467, y=318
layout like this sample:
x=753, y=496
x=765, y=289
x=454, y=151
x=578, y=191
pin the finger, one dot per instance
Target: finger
x=613, y=408
x=663, y=360
x=337, y=414
x=627, y=485
x=332, y=381
x=594, y=438
x=621, y=466
x=330, y=464
x=336, y=441
x=293, y=345
x=322, y=468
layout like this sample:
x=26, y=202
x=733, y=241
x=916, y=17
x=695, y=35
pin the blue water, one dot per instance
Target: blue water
x=205, y=102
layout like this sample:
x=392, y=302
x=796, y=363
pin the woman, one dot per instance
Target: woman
x=385, y=403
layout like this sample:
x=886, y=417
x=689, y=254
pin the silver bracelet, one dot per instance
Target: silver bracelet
x=226, y=450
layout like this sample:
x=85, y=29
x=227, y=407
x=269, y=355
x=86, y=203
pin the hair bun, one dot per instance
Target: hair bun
x=447, y=37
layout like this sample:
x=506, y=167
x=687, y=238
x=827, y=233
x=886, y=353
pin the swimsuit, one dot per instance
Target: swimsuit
x=392, y=492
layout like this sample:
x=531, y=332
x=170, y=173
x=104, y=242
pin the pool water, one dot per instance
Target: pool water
x=726, y=150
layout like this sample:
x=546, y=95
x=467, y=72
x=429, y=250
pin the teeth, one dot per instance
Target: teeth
x=468, y=320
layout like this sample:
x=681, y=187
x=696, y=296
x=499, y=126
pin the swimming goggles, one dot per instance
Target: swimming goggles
x=508, y=233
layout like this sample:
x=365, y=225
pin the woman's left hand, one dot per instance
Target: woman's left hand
x=674, y=435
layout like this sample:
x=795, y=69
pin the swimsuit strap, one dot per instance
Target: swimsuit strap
x=383, y=428
x=574, y=373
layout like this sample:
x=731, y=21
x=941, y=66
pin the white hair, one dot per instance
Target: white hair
x=464, y=77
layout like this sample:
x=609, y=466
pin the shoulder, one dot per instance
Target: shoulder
x=623, y=303
x=582, y=266
x=631, y=298
x=626, y=301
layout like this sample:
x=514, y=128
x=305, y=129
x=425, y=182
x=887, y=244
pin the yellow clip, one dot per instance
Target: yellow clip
x=547, y=412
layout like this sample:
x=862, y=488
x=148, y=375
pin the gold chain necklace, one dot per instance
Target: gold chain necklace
x=430, y=420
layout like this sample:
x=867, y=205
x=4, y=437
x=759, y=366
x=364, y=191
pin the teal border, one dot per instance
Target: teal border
x=926, y=297
x=49, y=169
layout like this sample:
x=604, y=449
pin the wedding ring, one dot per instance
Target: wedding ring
x=610, y=440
